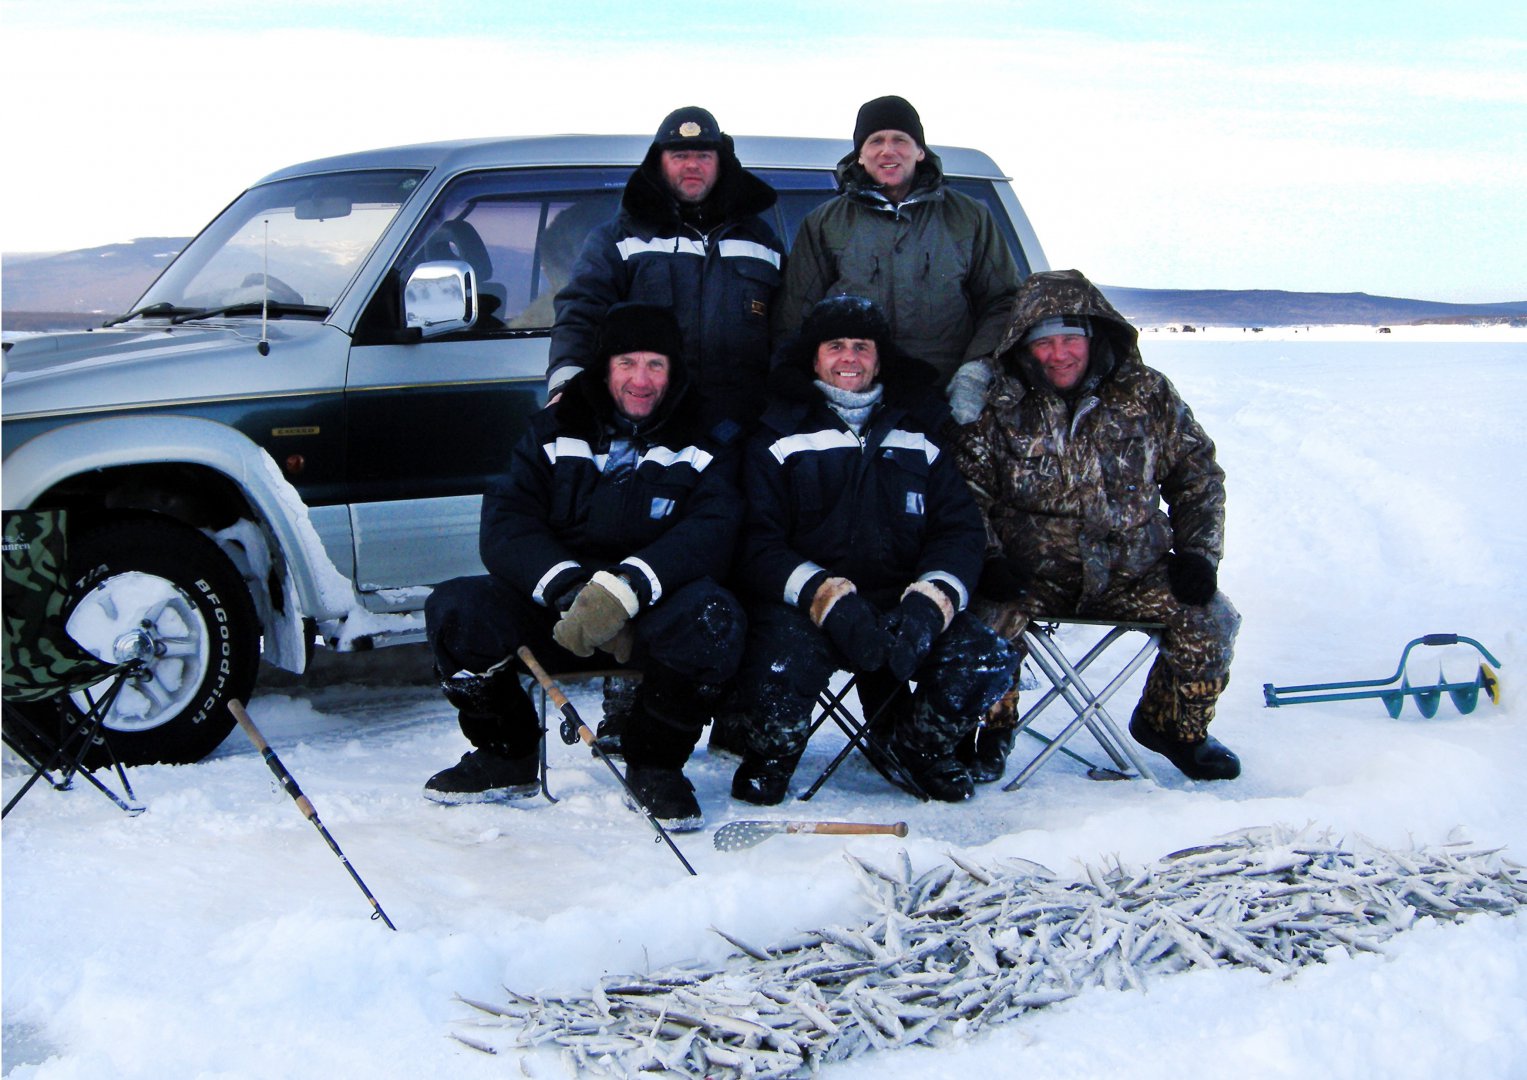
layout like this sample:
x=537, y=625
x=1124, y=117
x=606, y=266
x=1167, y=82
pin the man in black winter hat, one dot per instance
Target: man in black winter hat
x=929, y=257
x=860, y=551
x=688, y=236
x=604, y=540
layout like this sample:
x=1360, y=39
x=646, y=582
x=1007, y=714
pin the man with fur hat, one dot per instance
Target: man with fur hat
x=688, y=237
x=860, y=549
x=930, y=257
x=1071, y=459
x=605, y=539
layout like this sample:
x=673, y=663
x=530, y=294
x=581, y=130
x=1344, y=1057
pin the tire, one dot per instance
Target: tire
x=150, y=586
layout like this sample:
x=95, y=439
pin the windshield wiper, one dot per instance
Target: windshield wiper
x=275, y=308
x=164, y=307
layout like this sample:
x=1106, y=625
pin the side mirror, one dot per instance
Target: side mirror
x=440, y=298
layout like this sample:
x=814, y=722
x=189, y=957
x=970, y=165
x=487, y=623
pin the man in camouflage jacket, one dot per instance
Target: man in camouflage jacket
x=1076, y=449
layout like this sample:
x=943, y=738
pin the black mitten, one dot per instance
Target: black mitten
x=911, y=625
x=1192, y=578
x=1003, y=579
x=853, y=626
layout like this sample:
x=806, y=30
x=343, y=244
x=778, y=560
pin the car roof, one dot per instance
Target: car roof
x=531, y=151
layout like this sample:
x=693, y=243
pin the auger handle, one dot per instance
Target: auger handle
x=1450, y=639
x=847, y=828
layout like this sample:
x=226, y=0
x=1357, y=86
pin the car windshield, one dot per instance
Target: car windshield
x=294, y=242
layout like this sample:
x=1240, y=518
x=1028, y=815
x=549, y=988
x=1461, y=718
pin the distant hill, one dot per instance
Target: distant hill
x=73, y=289
x=1273, y=307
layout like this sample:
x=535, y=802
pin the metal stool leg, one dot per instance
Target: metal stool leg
x=1067, y=683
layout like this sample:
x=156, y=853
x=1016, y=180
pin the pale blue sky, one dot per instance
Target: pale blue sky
x=1376, y=147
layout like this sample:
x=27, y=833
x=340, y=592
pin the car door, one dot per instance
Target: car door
x=430, y=422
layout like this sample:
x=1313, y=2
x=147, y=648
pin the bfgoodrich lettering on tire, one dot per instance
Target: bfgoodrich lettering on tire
x=150, y=587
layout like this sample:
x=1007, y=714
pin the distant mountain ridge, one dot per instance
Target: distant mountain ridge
x=75, y=289
x=1275, y=307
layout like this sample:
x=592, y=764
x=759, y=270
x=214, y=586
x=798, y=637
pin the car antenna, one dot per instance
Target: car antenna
x=264, y=345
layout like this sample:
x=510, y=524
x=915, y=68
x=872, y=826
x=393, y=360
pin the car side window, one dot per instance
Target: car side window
x=520, y=230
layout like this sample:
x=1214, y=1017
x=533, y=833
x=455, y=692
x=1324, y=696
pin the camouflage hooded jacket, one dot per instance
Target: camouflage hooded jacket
x=1073, y=489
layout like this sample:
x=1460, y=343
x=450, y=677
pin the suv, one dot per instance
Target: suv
x=288, y=436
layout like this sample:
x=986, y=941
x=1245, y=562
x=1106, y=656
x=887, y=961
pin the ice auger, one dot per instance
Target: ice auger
x=1465, y=695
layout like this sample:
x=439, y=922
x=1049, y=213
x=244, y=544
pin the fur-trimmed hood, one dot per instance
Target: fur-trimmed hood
x=910, y=383
x=737, y=194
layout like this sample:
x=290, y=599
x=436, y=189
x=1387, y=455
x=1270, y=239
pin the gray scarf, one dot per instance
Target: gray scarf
x=854, y=408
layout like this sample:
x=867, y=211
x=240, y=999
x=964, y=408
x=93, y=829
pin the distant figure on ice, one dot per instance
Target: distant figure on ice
x=861, y=546
x=608, y=534
x=1078, y=445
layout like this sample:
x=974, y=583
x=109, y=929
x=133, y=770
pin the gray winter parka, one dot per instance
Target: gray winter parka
x=936, y=264
x=1072, y=489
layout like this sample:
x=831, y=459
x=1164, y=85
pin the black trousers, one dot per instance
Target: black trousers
x=687, y=646
x=789, y=661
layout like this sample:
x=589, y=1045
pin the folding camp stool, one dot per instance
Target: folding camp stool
x=833, y=706
x=566, y=679
x=1066, y=682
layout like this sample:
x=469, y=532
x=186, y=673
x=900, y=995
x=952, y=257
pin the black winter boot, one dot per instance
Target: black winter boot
x=668, y=794
x=619, y=703
x=728, y=734
x=483, y=776
x=763, y=781
x=944, y=779
x=984, y=752
x=1206, y=759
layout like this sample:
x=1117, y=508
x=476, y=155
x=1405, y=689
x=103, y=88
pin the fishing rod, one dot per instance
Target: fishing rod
x=573, y=728
x=286, y=780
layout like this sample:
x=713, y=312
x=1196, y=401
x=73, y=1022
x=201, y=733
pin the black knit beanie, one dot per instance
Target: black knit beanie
x=890, y=113
x=640, y=328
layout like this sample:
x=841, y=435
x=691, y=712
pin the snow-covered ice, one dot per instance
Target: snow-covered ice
x=1376, y=495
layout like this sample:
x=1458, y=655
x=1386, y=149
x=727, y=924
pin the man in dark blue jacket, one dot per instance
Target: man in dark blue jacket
x=608, y=534
x=861, y=546
x=688, y=237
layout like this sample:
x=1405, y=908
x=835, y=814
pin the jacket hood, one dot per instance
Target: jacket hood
x=737, y=194
x=587, y=407
x=1053, y=293
x=853, y=181
x=909, y=383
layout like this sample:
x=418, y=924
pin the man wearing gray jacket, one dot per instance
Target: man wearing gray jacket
x=928, y=256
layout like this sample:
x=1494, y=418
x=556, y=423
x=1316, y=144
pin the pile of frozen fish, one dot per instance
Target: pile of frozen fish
x=961, y=947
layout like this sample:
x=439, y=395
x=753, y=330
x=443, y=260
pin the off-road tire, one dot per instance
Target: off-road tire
x=151, y=574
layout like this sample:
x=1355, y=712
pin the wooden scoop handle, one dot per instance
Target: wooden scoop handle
x=847, y=828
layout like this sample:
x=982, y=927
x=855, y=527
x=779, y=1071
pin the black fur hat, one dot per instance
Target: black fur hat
x=844, y=317
x=640, y=328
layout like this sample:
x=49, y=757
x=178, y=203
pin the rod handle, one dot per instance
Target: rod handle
x=553, y=691
x=287, y=781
